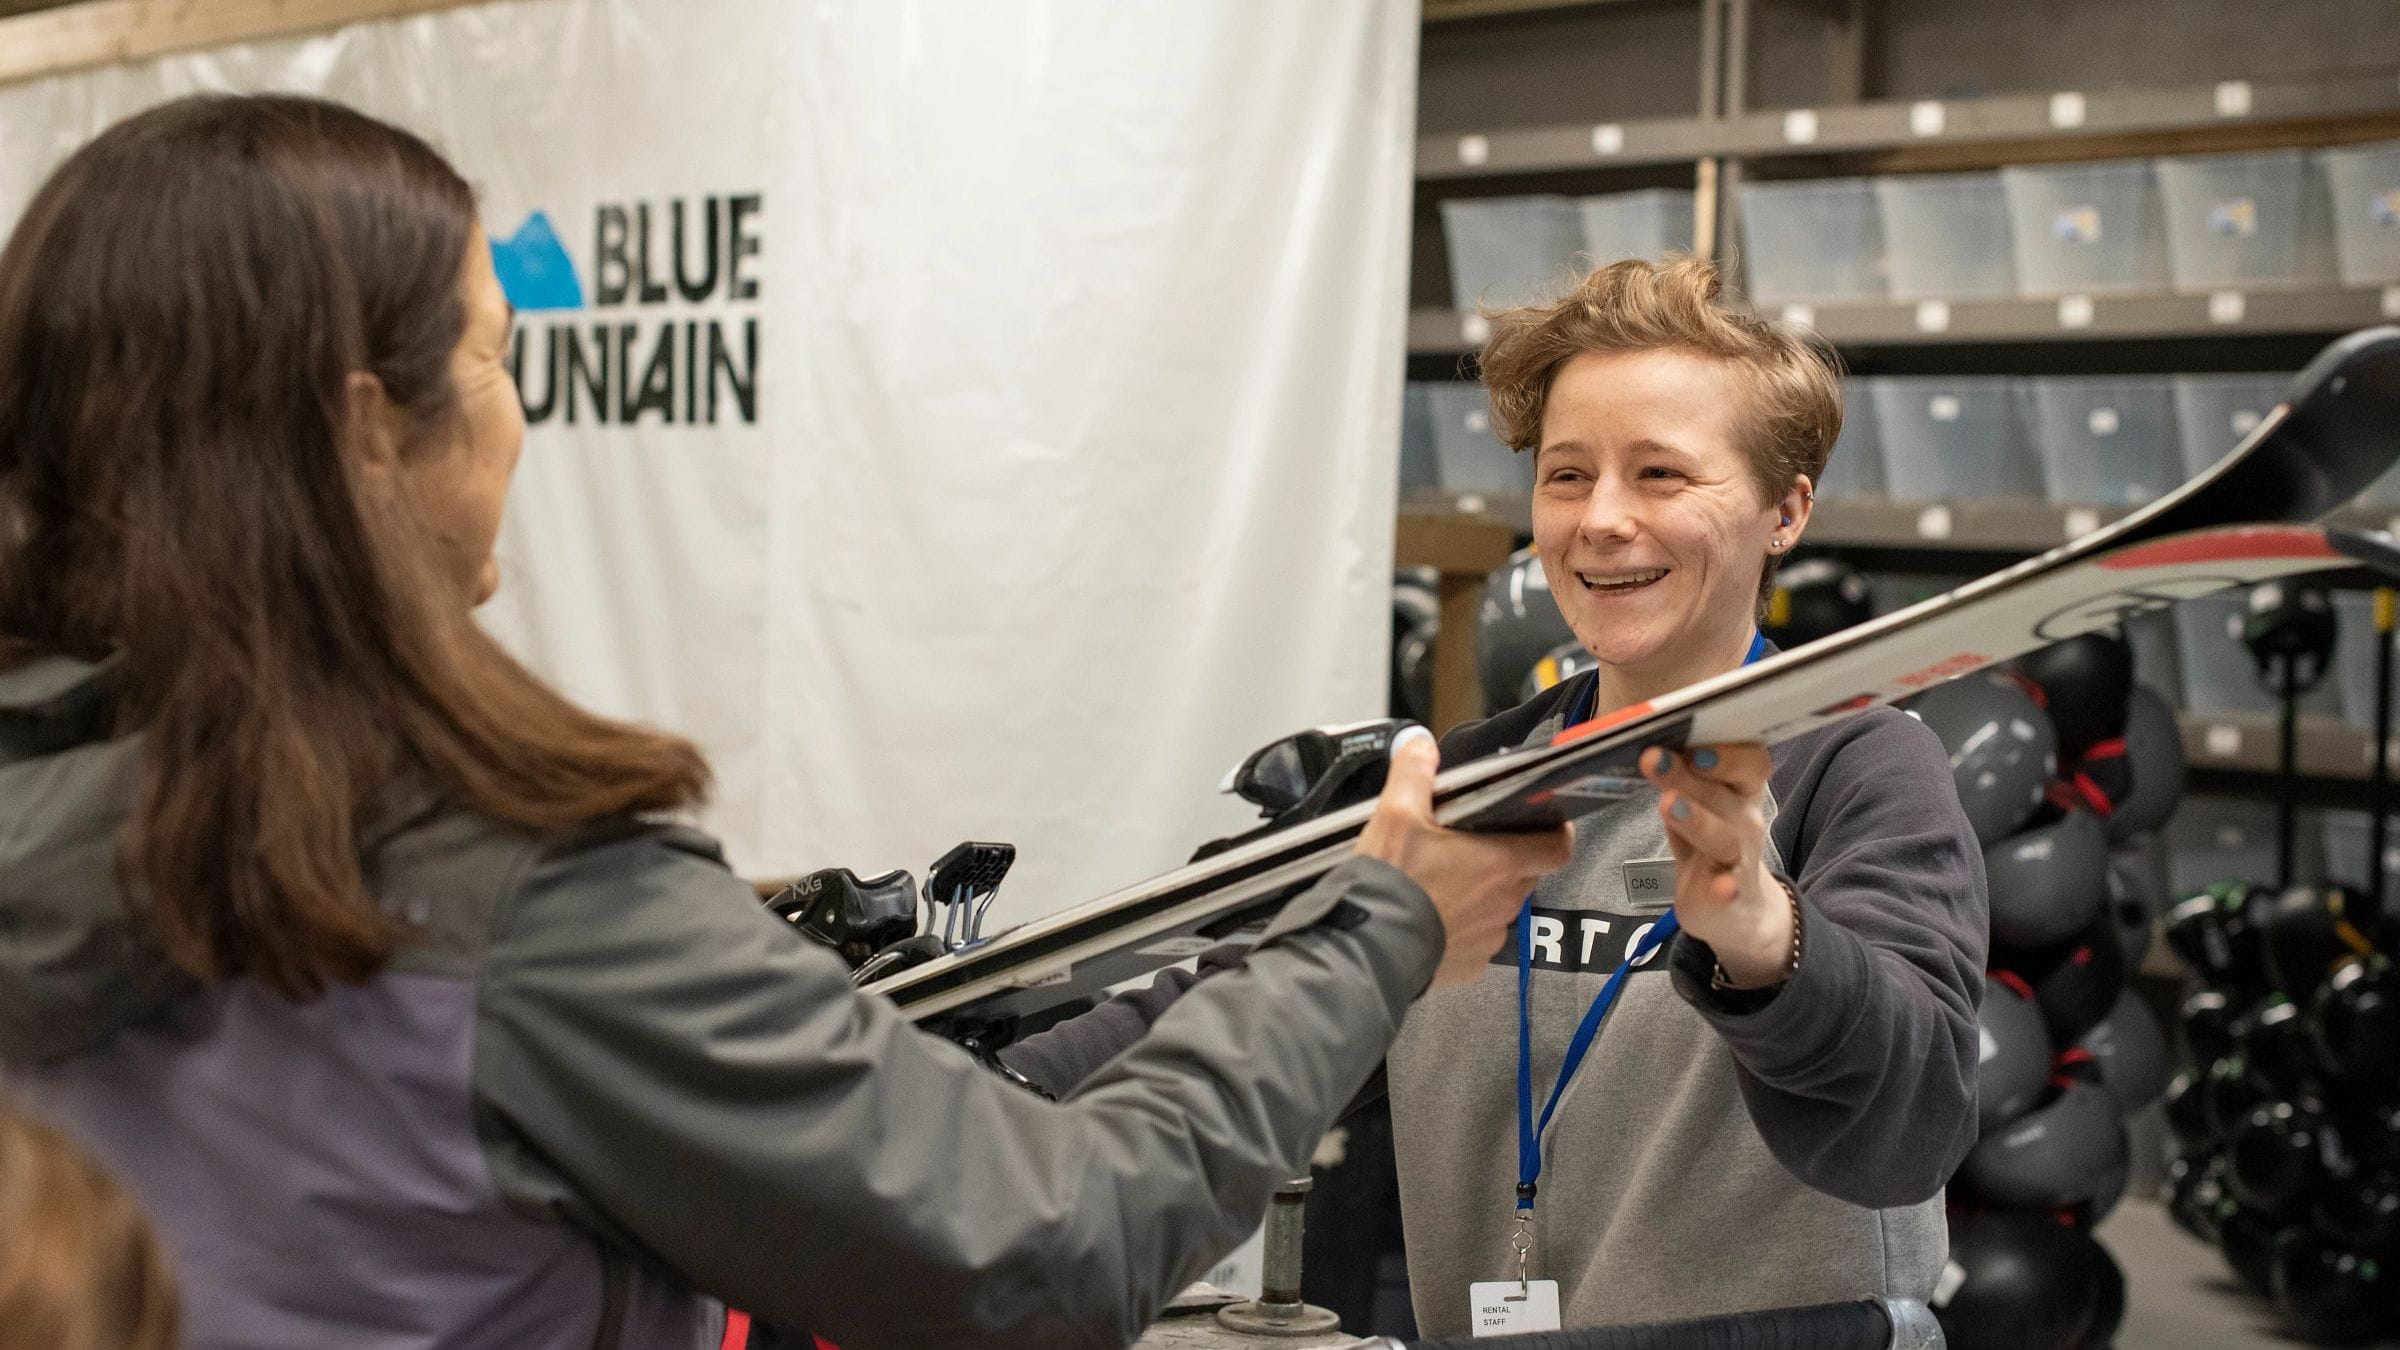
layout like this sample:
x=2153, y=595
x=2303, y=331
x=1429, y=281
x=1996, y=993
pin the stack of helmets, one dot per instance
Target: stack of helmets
x=2061, y=772
x=1416, y=619
x=2286, y=1118
x=1517, y=624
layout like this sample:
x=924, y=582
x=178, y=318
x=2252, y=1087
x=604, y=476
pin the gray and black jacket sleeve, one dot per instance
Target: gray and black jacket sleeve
x=1860, y=1071
x=660, y=1061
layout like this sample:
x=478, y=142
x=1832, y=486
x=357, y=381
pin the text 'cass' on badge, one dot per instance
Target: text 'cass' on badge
x=1650, y=885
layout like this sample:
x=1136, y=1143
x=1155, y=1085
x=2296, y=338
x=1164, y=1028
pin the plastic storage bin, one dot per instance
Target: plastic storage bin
x=2218, y=676
x=2108, y=440
x=1507, y=251
x=2246, y=220
x=2085, y=228
x=1855, y=468
x=2213, y=839
x=2214, y=412
x=1418, y=466
x=1819, y=240
x=1948, y=236
x=2346, y=844
x=2364, y=184
x=1467, y=456
x=1954, y=438
x=1648, y=224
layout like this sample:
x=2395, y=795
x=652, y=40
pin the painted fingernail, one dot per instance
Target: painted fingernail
x=1704, y=759
x=1682, y=809
x=1657, y=761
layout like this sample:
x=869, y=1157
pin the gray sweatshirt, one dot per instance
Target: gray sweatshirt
x=1717, y=1153
x=605, y=1090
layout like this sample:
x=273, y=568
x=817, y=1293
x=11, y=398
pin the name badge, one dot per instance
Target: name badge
x=1507, y=1307
x=1650, y=885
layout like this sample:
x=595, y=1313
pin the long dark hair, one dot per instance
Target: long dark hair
x=181, y=308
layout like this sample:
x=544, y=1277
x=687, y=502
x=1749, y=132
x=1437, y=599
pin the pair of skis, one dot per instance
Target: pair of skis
x=2246, y=519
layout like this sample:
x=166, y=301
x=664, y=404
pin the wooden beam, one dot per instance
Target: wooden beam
x=1438, y=10
x=2344, y=129
x=1463, y=549
x=102, y=32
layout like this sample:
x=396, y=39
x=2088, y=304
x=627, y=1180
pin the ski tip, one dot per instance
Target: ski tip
x=1595, y=726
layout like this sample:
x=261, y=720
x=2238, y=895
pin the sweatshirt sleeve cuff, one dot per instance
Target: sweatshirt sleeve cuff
x=1804, y=1019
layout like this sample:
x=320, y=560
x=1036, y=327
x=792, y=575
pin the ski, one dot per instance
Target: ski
x=2240, y=522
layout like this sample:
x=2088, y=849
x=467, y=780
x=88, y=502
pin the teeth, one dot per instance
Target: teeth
x=1621, y=578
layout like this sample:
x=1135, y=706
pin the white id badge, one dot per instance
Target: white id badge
x=1506, y=1307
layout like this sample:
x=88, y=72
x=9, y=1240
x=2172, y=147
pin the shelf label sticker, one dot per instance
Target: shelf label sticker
x=1806, y=315
x=2233, y=218
x=2227, y=307
x=1927, y=117
x=1943, y=407
x=1474, y=150
x=1608, y=139
x=2103, y=422
x=2222, y=741
x=2074, y=311
x=2076, y=225
x=1474, y=329
x=2066, y=110
x=1933, y=316
x=2081, y=520
x=1934, y=522
x=2233, y=98
x=1800, y=126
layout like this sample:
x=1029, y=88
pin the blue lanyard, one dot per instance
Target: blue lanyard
x=1530, y=1132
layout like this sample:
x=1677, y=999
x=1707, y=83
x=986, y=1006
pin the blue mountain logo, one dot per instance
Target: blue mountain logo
x=535, y=271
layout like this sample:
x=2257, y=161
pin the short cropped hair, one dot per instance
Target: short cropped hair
x=1793, y=377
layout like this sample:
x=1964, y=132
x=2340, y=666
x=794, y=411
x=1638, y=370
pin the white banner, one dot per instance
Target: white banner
x=966, y=420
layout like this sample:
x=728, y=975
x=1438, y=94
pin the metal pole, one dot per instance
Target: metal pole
x=1279, y=1310
x=2379, y=799
x=2287, y=782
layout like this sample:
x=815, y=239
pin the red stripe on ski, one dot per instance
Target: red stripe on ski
x=1581, y=730
x=2220, y=546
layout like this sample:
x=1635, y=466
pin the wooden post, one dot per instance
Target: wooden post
x=99, y=32
x=1462, y=549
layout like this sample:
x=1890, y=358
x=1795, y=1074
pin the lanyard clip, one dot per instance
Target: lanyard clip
x=1522, y=1244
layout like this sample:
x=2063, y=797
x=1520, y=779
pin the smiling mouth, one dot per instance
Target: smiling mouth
x=1620, y=583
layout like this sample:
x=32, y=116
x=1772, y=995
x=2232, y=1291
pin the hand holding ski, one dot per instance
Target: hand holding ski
x=1477, y=881
x=1709, y=800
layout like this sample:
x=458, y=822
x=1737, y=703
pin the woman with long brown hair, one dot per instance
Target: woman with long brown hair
x=358, y=952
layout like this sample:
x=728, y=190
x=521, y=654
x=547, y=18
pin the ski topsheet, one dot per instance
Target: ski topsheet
x=2337, y=432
